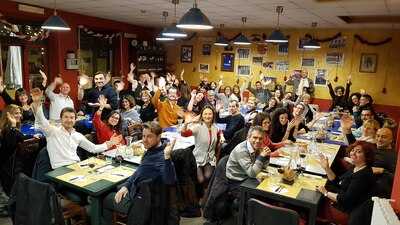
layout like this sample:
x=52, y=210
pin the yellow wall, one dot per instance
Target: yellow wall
x=388, y=61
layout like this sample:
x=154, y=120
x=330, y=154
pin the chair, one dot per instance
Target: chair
x=261, y=213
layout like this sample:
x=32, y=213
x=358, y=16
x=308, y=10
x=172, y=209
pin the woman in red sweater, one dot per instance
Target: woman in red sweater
x=264, y=120
x=111, y=127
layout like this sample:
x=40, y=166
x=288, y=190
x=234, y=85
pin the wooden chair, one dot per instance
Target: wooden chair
x=74, y=214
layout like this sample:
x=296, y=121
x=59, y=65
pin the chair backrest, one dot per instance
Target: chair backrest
x=34, y=202
x=261, y=213
x=42, y=166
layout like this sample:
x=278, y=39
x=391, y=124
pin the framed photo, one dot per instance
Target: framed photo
x=283, y=48
x=368, y=63
x=206, y=49
x=227, y=62
x=204, y=68
x=257, y=60
x=282, y=65
x=334, y=58
x=243, y=70
x=186, y=53
x=308, y=62
x=339, y=42
x=268, y=65
x=320, y=77
x=243, y=53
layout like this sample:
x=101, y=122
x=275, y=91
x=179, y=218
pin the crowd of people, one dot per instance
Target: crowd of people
x=258, y=121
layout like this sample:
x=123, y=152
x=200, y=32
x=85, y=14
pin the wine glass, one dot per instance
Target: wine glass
x=302, y=155
x=119, y=155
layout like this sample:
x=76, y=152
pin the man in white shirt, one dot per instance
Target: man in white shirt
x=58, y=101
x=62, y=141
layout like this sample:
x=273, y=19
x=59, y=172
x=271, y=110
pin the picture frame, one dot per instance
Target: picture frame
x=308, y=62
x=186, y=53
x=206, y=49
x=320, y=77
x=334, y=58
x=282, y=65
x=227, y=62
x=204, y=68
x=257, y=60
x=243, y=70
x=283, y=49
x=368, y=63
x=243, y=53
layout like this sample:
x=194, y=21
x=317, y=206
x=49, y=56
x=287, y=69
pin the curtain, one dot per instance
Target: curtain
x=13, y=74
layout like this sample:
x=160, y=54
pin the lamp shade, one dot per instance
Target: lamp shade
x=221, y=41
x=276, y=37
x=55, y=22
x=241, y=40
x=194, y=19
x=173, y=31
x=311, y=44
x=164, y=38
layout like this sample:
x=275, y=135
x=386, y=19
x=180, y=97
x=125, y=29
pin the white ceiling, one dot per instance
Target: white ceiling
x=259, y=13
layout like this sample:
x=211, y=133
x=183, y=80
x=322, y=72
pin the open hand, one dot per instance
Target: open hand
x=168, y=149
x=121, y=194
x=102, y=101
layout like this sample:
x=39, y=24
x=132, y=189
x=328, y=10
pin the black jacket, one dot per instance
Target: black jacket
x=156, y=204
x=92, y=96
x=33, y=202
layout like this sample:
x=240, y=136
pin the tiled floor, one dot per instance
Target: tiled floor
x=184, y=221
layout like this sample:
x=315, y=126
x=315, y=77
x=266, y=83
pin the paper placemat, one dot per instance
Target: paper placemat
x=272, y=183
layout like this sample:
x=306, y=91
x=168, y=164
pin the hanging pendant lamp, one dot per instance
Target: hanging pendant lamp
x=55, y=22
x=194, y=19
x=241, y=39
x=277, y=36
x=312, y=43
x=221, y=41
x=161, y=37
x=173, y=31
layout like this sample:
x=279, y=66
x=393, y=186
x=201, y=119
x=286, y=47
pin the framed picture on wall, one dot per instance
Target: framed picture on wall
x=308, y=62
x=204, y=68
x=257, y=60
x=206, y=49
x=186, y=53
x=282, y=65
x=243, y=53
x=283, y=48
x=368, y=62
x=334, y=58
x=243, y=70
x=320, y=77
x=227, y=62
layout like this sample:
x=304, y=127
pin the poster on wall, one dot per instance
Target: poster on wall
x=307, y=62
x=268, y=65
x=282, y=65
x=339, y=42
x=204, y=68
x=334, y=58
x=227, y=62
x=368, y=63
x=320, y=77
x=186, y=53
x=206, y=49
x=283, y=48
x=243, y=53
x=257, y=60
x=243, y=70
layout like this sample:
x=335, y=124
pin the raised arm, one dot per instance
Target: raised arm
x=192, y=100
x=331, y=91
x=50, y=89
x=6, y=97
x=37, y=109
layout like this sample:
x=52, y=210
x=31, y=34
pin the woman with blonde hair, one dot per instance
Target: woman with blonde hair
x=11, y=136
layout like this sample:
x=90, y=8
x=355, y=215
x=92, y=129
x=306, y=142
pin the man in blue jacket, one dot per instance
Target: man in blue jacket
x=156, y=165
